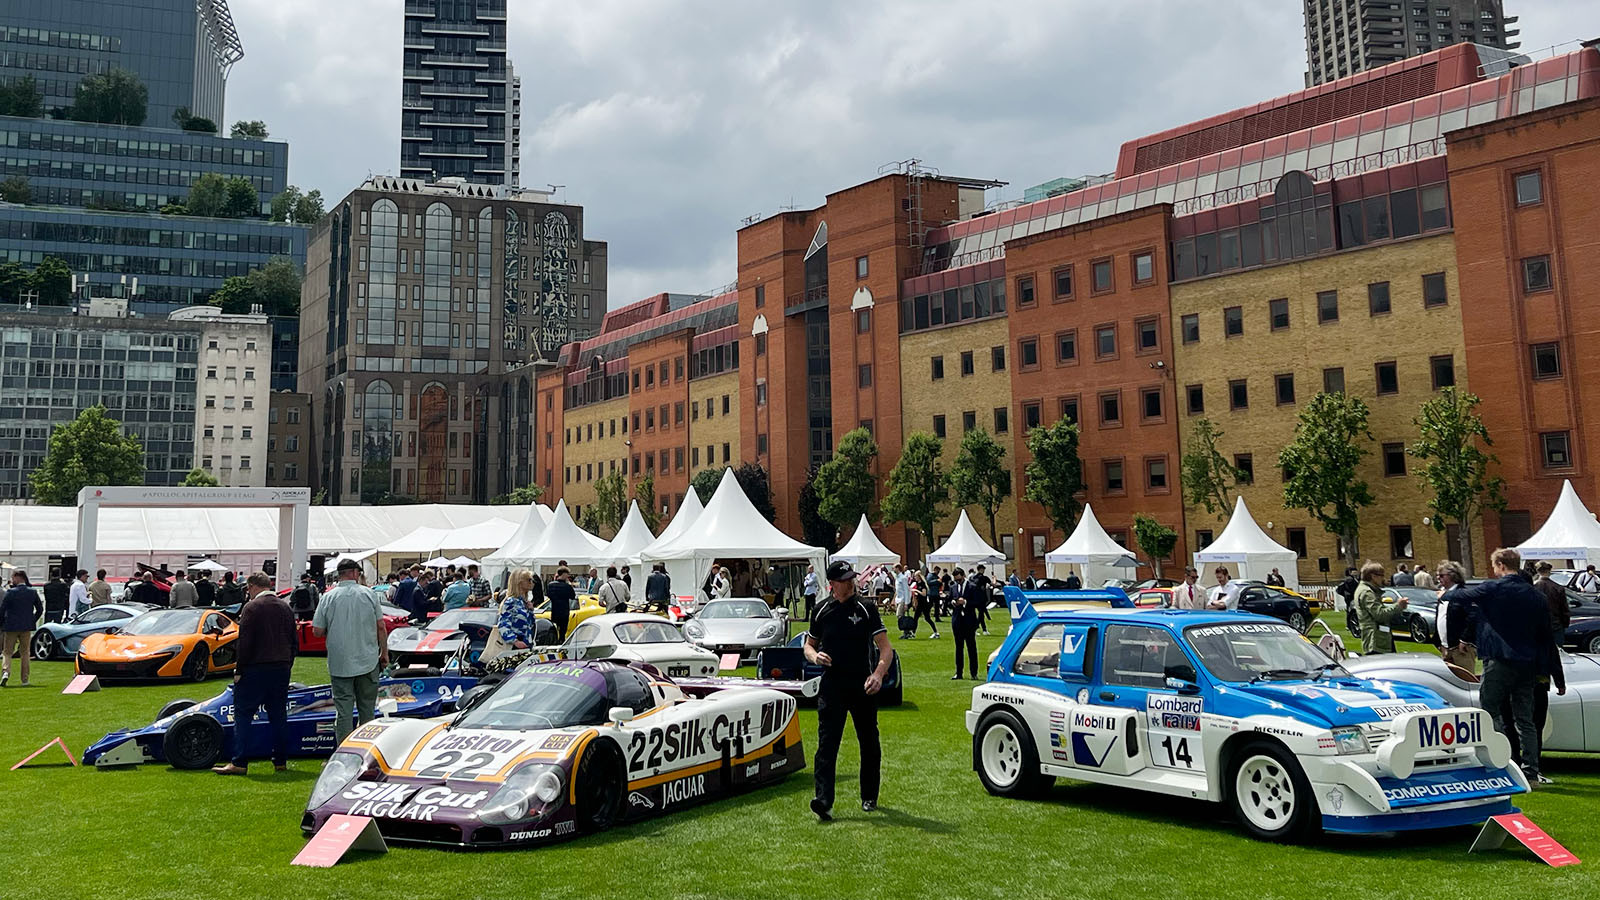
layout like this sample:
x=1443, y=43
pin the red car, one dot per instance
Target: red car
x=309, y=642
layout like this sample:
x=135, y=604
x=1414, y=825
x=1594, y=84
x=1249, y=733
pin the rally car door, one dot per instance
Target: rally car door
x=1158, y=726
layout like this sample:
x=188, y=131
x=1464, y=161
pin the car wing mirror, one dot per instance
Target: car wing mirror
x=1182, y=686
x=388, y=706
x=620, y=715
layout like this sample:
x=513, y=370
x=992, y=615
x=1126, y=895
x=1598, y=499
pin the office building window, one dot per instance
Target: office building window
x=1378, y=298
x=761, y=295
x=1105, y=341
x=1246, y=464
x=1150, y=403
x=1400, y=546
x=1030, y=415
x=969, y=421
x=1233, y=321
x=1113, y=475
x=864, y=376
x=1238, y=394
x=1546, y=360
x=1111, y=408
x=861, y=267
x=1144, y=267
x=1069, y=409
x=1535, y=274
x=997, y=358
x=1333, y=380
x=1530, y=188
x=1002, y=420
x=1285, y=388
x=1025, y=295
x=937, y=366
x=1443, y=370
x=1394, y=460
x=1155, y=474
x=1388, y=379
x=1557, y=449
x=1197, y=399
x=1063, y=280
x=938, y=426
x=1028, y=353
x=1147, y=335
x=863, y=321
x=1434, y=292
x=1066, y=347
x=967, y=365
x=1103, y=278
x=1278, y=310
x=1191, y=328
x=1296, y=540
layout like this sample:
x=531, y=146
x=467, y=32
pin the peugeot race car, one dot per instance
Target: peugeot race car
x=1236, y=708
x=555, y=750
x=62, y=639
x=192, y=643
x=190, y=735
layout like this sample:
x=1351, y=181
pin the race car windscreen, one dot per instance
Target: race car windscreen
x=735, y=609
x=1241, y=651
x=648, y=633
x=447, y=621
x=166, y=621
x=548, y=695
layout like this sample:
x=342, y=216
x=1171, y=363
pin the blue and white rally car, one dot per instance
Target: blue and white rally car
x=1229, y=707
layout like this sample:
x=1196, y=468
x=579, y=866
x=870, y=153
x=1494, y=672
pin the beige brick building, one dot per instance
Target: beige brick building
x=714, y=422
x=594, y=445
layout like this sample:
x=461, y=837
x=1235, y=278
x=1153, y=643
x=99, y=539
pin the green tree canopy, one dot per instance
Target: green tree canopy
x=918, y=486
x=522, y=496
x=293, y=206
x=705, y=483
x=1321, y=466
x=52, y=280
x=980, y=475
x=845, y=486
x=1208, y=478
x=115, y=97
x=275, y=286
x=242, y=200
x=15, y=190
x=757, y=487
x=1055, y=473
x=89, y=450
x=199, y=477
x=14, y=279
x=1154, y=538
x=253, y=130
x=814, y=529
x=610, y=507
x=1452, y=441
x=22, y=98
x=644, y=491
x=208, y=195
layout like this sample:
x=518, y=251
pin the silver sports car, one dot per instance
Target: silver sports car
x=742, y=626
x=1574, y=720
x=60, y=640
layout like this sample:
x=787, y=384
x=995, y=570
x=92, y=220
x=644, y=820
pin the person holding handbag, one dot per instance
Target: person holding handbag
x=515, y=630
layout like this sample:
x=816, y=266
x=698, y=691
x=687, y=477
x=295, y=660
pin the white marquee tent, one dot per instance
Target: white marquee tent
x=864, y=548
x=1092, y=550
x=680, y=573
x=560, y=539
x=729, y=527
x=1250, y=553
x=1571, y=532
x=633, y=536
x=965, y=548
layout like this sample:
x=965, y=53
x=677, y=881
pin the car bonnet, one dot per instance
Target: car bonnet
x=1330, y=702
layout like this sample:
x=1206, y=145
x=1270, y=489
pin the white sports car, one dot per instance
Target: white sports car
x=644, y=638
x=1574, y=720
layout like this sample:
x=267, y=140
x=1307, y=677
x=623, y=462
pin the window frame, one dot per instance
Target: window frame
x=1433, y=370
x=1190, y=392
x=1516, y=187
x=1554, y=350
x=1071, y=334
x=1322, y=317
x=1027, y=292
x=1444, y=290
x=1023, y=346
x=1144, y=396
x=1094, y=276
x=1139, y=325
x=1184, y=330
x=1237, y=314
x=1378, y=369
x=1105, y=476
x=1149, y=254
x=1233, y=404
x=1056, y=296
x=1116, y=345
x=1372, y=299
x=1545, y=438
x=1274, y=306
x=1278, y=381
x=1549, y=277
x=1100, y=408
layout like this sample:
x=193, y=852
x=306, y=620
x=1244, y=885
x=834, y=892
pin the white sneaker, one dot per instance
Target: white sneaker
x=4, y=677
x=932, y=636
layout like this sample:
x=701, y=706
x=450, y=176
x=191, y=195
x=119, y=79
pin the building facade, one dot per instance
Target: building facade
x=427, y=312
x=461, y=102
x=1344, y=37
x=234, y=390
x=288, y=439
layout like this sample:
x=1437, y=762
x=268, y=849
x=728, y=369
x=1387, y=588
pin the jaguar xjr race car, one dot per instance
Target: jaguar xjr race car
x=557, y=749
x=1235, y=708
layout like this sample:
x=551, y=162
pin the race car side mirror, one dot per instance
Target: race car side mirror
x=620, y=715
x=388, y=706
x=1183, y=687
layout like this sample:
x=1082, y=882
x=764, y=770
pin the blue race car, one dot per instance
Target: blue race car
x=1229, y=707
x=60, y=640
x=190, y=735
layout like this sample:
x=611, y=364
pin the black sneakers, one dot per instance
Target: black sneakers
x=821, y=809
x=869, y=806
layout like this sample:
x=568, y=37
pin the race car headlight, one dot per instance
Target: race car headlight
x=174, y=649
x=340, y=770
x=1349, y=740
x=769, y=630
x=694, y=630
x=527, y=787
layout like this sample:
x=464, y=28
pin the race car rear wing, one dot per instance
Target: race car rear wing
x=710, y=684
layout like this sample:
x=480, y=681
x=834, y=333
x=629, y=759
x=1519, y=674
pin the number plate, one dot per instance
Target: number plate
x=677, y=671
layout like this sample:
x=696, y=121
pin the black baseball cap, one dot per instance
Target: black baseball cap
x=841, y=570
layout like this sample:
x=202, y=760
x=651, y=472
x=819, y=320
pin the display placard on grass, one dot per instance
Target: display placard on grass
x=338, y=836
x=1516, y=825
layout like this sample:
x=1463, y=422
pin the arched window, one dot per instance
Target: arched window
x=1299, y=221
x=377, y=434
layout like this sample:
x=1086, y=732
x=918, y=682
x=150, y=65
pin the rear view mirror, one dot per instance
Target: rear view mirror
x=619, y=715
x=388, y=706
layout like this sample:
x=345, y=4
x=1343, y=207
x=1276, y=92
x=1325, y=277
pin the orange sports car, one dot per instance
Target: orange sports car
x=192, y=644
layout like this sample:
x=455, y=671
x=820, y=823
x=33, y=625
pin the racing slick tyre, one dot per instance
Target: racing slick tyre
x=1594, y=644
x=1003, y=754
x=600, y=785
x=193, y=742
x=174, y=706
x=1270, y=795
x=1297, y=621
x=44, y=644
x=198, y=666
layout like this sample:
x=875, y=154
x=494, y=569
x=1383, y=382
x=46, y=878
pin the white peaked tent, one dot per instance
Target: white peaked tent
x=562, y=539
x=517, y=546
x=864, y=548
x=965, y=548
x=680, y=573
x=1250, y=553
x=729, y=527
x=633, y=536
x=1571, y=532
x=1089, y=548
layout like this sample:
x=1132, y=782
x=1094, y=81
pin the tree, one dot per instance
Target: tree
x=242, y=200
x=253, y=130
x=1207, y=477
x=199, y=477
x=1154, y=538
x=918, y=486
x=275, y=287
x=1320, y=466
x=814, y=529
x=208, y=195
x=293, y=206
x=89, y=450
x=14, y=279
x=52, y=280
x=1452, y=441
x=610, y=507
x=980, y=475
x=15, y=190
x=115, y=97
x=522, y=496
x=1055, y=473
x=190, y=122
x=705, y=483
x=645, y=493
x=22, y=98
x=757, y=487
x=844, y=484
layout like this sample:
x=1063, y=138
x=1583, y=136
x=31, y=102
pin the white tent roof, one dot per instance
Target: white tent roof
x=632, y=537
x=560, y=539
x=964, y=546
x=524, y=538
x=864, y=548
x=438, y=562
x=688, y=511
x=1571, y=532
x=1087, y=543
x=1241, y=539
x=730, y=527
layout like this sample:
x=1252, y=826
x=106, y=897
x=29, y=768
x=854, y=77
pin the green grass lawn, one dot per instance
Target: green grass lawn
x=158, y=832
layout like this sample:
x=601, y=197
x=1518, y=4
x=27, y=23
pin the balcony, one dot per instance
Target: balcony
x=454, y=28
x=455, y=59
x=412, y=43
x=490, y=46
x=447, y=120
x=410, y=73
x=424, y=8
x=448, y=152
x=437, y=89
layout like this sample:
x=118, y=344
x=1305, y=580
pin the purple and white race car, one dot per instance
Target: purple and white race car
x=558, y=749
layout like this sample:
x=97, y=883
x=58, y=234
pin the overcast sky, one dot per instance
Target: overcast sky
x=671, y=121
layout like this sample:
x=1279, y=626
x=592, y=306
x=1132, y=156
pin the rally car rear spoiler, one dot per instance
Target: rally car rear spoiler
x=1021, y=603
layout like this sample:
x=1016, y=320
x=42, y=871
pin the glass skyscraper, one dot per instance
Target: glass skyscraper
x=460, y=105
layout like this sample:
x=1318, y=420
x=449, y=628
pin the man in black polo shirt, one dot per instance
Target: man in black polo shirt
x=840, y=640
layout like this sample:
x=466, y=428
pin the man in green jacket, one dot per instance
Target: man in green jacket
x=1373, y=616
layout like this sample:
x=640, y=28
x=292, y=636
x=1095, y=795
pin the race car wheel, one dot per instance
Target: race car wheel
x=1594, y=644
x=600, y=778
x=1420, y=631
x=1351, y=624
x=1271, y=796
x=198, y=666
x=44, y=644
x=1297, y=621
x=173, y=706
x=1003, y=754
x=193, y=742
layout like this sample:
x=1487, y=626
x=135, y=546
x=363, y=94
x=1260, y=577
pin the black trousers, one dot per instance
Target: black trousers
x=261, y=686
x=558, y=618
x=926, y=613
x=833, y=704
x=967, y=638
x=811, y=605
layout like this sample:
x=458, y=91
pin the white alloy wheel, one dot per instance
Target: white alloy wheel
x=1002, y=754
x=1265, y=792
